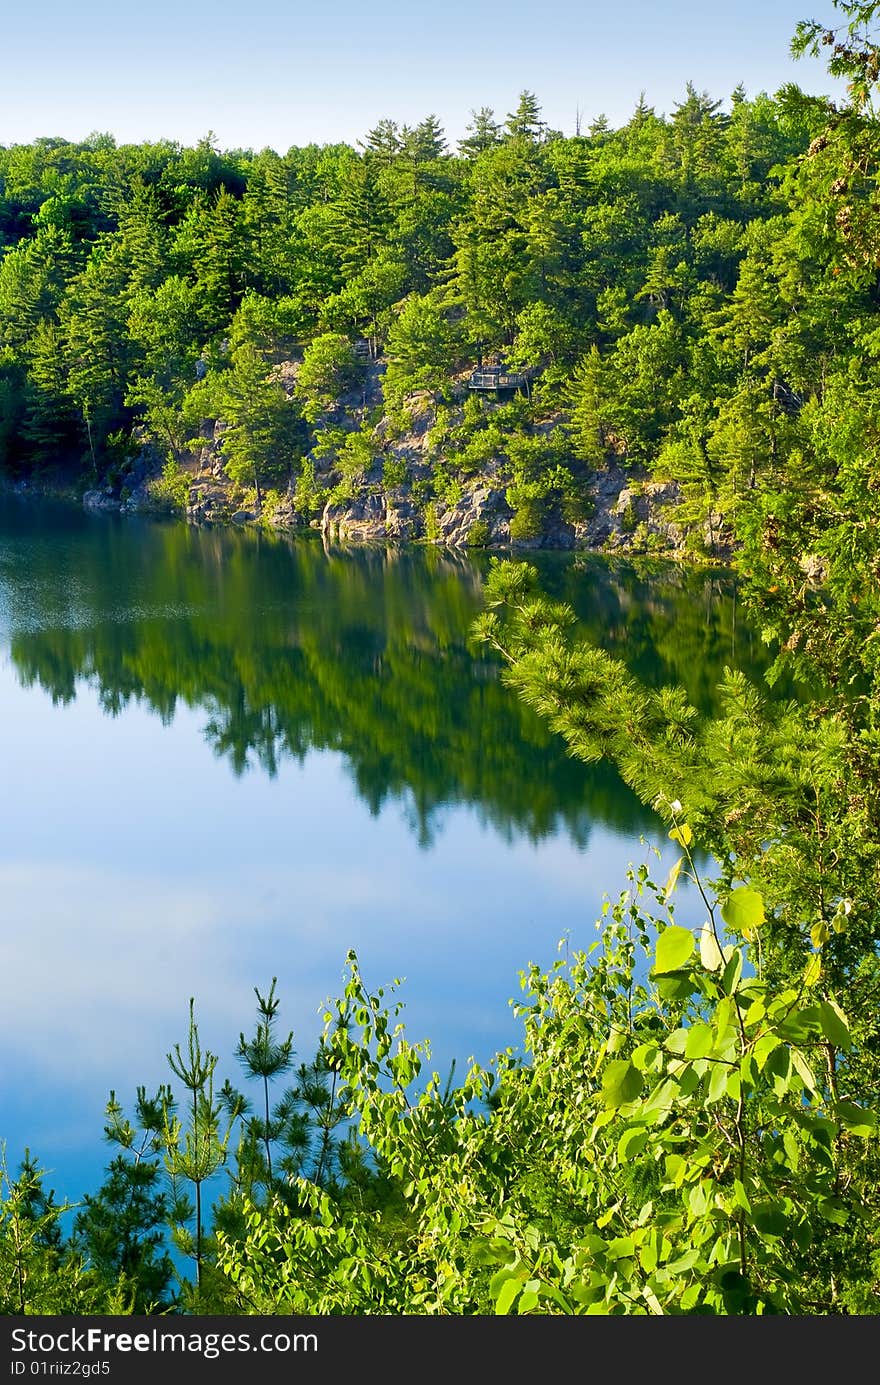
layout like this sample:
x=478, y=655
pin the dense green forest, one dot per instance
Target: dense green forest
x=690, y=1125
x=681, y=296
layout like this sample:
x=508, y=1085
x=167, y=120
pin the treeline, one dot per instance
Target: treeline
x=679, y=292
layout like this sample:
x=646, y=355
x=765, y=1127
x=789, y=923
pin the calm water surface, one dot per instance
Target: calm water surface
x=227, y=757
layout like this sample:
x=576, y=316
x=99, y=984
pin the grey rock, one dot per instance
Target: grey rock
x=100, y=500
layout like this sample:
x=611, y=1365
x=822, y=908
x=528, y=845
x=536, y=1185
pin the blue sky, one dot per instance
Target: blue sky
x=281, y=72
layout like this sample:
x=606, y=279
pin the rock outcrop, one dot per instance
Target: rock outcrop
x=622, y=512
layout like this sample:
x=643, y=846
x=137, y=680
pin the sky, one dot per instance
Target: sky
x=276, y=73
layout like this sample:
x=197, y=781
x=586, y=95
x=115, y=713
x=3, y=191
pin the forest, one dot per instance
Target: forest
x=690, y=1125
x=687, y=297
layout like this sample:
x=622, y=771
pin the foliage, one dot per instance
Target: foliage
x=172, y=487
x=677, y=291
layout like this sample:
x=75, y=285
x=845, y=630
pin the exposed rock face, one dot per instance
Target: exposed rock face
x=626, y=515
x=374, y=517
x=402, y=518
x=623, y=513
x=100, y=500
x=485, y=506
x=359, y=519
x=208, y=502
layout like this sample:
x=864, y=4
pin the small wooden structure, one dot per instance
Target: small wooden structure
x=497, y=377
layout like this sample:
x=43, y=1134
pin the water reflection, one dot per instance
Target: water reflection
x=227, y=757
x=289, y=648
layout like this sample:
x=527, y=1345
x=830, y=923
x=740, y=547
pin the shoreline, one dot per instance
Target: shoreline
x=352, y=530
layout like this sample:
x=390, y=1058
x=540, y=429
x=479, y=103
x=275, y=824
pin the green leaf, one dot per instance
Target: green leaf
x=682, y=834
x=778, y=1067
x=730, y=977
x=743, y=910
x=674, y=948
x=857, y=1119
x=690, y=1079
x=631, y=1144
x=507, y=1296
x=769, y=1219
x=834, y=1025
x=792, y=1149
x=803, y=1070
x=621, y=1083
x=528, y=1301
x=672, y=879
x=764, y=1047
x=718, y=1081
x=645, y=1056
x=833, y=1210
x=699, y=1041
x=676, y=985
x=820, y=933
x=656, y=1106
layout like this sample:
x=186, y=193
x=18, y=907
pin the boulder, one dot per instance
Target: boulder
x=100, y=500
x=485, y=506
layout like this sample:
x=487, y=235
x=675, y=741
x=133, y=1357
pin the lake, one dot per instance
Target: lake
x=228, y=756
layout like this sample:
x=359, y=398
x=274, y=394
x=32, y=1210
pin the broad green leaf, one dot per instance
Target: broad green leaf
x=690, y=1079
x=674, y=948
x=631, y=1144
x=710, y=953
x=672, y=879
x=645, y=1056
x=841, y=914
x=743, y=910
x=718, y=1081
x=528, y=1299
x=778, y=1066
x=730, y=977
x=813, y=970
x=792, y=1149
x=657, y=1105
x=740, y=1196
x=621, y=1082
x=756, y=1011
x=677, y=1041
x=676, y=985
x=857, y=1119
x=833, y=1210
x=834, y=1025
x=682, y=834
x=803, y=1070
x=507, y=1295
x=684, y=1262
x=801, y=1024
x=764, y=1047
x=820, y=933
x=621, y=1248
x=697, y=1199
x=699, y=1041
x=676, y=1168
x=769, y=1219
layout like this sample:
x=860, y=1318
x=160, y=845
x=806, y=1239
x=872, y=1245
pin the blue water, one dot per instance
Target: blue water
x=226, y=759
